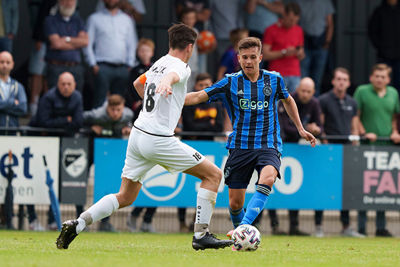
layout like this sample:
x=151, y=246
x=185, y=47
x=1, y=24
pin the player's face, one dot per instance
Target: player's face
x=380, y=79
x=115, y=112
x=66, y=84
x=249, y=60
x=202, y=84
x=111, y=4
x=341, y=81
x=6, y=63
x=145, y=53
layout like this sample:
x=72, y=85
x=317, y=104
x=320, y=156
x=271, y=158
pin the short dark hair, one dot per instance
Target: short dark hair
x=236, y=34
x=249, y=42
x=293, y=7
x=203, y=76
x=380, y=67
x=115, y=100
x=186, y=10
x=180, y=36
x=341, y=69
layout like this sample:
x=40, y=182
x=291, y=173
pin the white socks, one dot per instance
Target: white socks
x=205, y=205
x=101, y=209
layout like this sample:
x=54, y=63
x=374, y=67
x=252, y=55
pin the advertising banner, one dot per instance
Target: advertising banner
x=74, y=170
x=29, y=183
x=311, y=177
x=371, y=177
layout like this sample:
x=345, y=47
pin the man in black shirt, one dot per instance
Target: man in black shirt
x=339, y=117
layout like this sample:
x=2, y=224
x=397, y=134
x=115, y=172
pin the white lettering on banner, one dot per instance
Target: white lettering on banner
x=381, y=160
x=296, y=178
x=29, y=182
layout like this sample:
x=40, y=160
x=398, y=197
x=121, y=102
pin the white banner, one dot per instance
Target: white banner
x=29, y=183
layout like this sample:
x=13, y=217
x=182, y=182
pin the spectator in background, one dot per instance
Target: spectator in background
x=339, y=117
x=188, y=17
x=60, y=107
x=39, y=11
x=12, y=94
x=378, y=107
x=283, y=46
x=317, y=23
x=203, y=117
x=9, y=16
x=144, y=54
x=66, y=35
x=202, y=8
x=310, y=114
x=133, y=8
x=13, y=104
x=229, y=61
x=384, y=32
x=111, y=50
x=261, y=14
x=225, y=16
x=112, y=119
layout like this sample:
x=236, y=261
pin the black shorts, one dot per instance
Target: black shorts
x=241, y=164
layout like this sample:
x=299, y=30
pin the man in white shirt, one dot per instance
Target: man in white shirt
x=163, y=89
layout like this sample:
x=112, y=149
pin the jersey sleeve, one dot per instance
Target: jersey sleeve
x=182, y=70
x=216, y=92
x=281, y=88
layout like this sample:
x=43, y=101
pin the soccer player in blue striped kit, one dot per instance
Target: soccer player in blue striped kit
x=251, y=98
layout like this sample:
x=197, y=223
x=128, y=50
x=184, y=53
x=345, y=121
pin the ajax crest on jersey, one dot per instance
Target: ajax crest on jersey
x=267, y=90
x=74, y=161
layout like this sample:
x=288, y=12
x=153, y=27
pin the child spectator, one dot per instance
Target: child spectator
x=229, y=62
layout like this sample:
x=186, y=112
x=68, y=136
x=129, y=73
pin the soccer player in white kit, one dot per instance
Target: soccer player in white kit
x=151, y=142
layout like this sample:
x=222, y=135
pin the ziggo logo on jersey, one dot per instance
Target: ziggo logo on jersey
x=253, y=105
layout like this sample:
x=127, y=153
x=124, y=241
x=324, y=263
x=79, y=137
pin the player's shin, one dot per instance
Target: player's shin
x=236, y=216
x=101, y=209
x=206, y=200
x=256, y=204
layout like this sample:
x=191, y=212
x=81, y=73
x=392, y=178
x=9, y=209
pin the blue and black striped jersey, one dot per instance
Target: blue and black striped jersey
x=252, y=108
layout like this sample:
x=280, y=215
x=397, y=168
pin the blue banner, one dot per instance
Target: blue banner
x=311, y=177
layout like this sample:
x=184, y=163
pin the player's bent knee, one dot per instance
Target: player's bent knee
x=125, y=200
x=235, y=204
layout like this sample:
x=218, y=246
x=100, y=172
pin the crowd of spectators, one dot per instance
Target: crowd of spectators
x=296, y=36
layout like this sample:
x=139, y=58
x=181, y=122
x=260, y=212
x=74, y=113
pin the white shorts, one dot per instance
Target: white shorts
x=145, y=151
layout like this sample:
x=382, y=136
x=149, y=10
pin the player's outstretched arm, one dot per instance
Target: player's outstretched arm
x=292, y=111
x=194, y=98
x=165, y=85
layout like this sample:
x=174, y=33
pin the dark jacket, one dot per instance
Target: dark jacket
x=384, y=30
x=198, y=118
x=54, y=109
x=309, y=113
x=9, y=112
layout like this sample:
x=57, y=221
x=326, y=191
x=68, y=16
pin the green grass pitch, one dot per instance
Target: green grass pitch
x=125, y=249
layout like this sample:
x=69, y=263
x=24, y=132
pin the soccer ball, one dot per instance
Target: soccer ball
x=206, y=42
x=246, y=238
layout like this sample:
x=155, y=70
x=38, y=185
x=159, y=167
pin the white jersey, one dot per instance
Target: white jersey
x=161, y=114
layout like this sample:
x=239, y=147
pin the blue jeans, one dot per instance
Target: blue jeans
x=109, y=78
x=313, y=66
x=291, y=83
